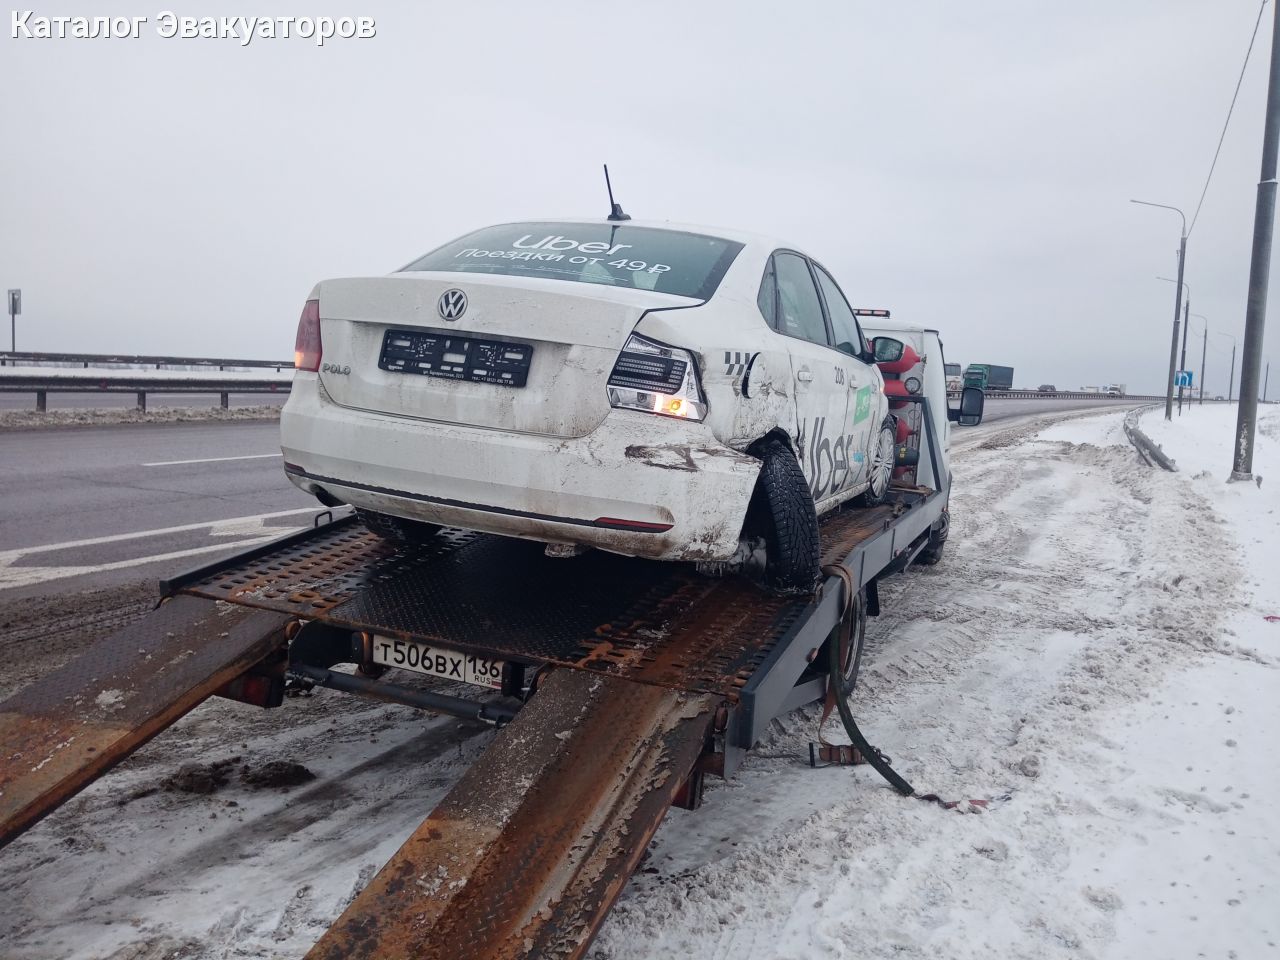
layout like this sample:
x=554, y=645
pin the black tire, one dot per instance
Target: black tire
x=883, y=459
x=932, y=551
x=782, y=512
x=397, y=530
x=852, y=660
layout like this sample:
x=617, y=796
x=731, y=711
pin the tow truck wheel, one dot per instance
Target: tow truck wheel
x=782, y=512
x=882, y=460
x=932, y=551
x=397, y=529
x=851, y=656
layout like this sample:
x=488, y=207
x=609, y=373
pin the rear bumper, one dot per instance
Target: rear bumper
x=639, y=485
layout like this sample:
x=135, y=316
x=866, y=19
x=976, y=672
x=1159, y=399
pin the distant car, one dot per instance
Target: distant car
x=1047, y=388
x=664, y=392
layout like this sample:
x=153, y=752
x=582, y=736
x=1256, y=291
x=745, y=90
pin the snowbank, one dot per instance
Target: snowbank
x=33, y=420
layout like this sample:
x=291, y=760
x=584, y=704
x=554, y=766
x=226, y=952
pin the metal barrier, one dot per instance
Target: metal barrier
x=115, y=383
x=1148, y=449
x=87, y=360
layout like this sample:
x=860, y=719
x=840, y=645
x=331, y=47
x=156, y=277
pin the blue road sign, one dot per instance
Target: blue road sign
x=1182, y=378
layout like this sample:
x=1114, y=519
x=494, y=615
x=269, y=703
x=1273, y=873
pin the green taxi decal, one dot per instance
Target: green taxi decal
x=862, y=405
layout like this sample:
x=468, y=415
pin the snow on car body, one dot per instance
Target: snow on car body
x=587, y=383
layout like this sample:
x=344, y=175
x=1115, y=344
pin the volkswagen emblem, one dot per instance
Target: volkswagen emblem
x=453, y=304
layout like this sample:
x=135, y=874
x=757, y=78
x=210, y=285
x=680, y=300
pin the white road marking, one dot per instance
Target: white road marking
x=229, y=525
x=176, y=463
x=26, y=576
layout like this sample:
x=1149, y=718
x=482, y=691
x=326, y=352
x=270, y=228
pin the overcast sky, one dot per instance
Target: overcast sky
x=967, y=165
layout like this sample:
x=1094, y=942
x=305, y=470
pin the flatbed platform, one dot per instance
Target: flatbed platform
x=504, y=599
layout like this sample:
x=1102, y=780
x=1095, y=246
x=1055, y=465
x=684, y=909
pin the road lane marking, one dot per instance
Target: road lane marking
x=11, y=577
x=7, y=557
x=177, y=463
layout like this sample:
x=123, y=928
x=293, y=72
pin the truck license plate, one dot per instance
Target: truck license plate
x=438, y=662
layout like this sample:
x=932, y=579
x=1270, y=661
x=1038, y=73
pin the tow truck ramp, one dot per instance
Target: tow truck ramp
x=619, y=684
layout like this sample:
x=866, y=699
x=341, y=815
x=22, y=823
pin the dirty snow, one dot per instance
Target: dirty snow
x=34, y=420
x=1092, y=647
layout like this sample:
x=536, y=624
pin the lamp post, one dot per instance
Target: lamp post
x=1255, y=315
x=1177, y=303
x=1232, y=383
x=1186, y=325
x=1204, y=347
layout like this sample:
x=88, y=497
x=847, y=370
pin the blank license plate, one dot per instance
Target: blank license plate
x=438, y=662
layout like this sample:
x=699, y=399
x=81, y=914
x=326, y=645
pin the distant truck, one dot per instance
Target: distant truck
x=1114, y=389
x=955, y=379
x=988, y=376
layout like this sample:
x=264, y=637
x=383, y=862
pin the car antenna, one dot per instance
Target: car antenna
x=615, y=209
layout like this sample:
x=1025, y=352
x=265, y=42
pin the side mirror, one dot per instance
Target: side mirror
x=887, y=349
x=972, y=401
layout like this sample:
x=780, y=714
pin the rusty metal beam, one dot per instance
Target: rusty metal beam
x=67, y=729
x=528, y=852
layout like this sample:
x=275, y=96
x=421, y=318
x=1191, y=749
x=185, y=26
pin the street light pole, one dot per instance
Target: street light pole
x=1177, y=304
x=1204, y=347
x=1186, y=327
x=1255, y=317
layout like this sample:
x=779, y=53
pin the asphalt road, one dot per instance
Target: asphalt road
x=113, y=504
x=1003, y=409
x=92, y=507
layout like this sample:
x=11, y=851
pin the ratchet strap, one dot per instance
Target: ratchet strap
x=860, y=751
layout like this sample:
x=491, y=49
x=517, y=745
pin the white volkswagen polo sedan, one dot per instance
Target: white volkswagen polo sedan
x=677, y=393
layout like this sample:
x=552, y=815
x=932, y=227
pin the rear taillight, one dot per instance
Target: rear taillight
x=307, y=349
x=653, y=377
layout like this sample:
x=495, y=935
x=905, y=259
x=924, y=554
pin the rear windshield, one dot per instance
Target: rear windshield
x=668, y=261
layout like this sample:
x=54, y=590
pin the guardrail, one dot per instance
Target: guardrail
x=87, y=360
x=1147, y=448
x=45, y=373
x=1062, y=395
x=43, y=382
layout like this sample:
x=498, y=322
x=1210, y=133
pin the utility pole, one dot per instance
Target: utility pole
x=1204, y=346
x=1255, y=316
x=1177, y=304
x=1186, y=325
x=1232, y=388
x=1265, y=381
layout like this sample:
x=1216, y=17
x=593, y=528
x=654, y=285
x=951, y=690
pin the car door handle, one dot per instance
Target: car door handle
x=804, y=375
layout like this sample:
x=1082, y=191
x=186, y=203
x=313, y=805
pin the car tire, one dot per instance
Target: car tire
x=932, y=551
x=397, y=530
x=782, y=511
x=883, y=458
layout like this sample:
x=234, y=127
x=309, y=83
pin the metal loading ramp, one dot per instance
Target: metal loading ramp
x=647, y=676
x=528, y=852
x=63, y=732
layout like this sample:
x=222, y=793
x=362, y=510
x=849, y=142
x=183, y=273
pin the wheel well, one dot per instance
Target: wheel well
x=757, y=514
x=778, y=434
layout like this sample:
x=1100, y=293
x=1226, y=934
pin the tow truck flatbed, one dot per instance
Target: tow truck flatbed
x=624, y=682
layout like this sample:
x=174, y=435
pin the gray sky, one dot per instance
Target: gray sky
x=966, y=165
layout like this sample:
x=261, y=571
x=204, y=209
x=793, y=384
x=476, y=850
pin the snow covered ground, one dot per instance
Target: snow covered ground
x=1093, y=646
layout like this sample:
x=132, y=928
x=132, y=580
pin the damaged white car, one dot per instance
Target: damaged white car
x=677, y=393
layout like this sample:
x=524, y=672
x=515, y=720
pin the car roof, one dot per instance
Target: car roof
x=888, y=323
